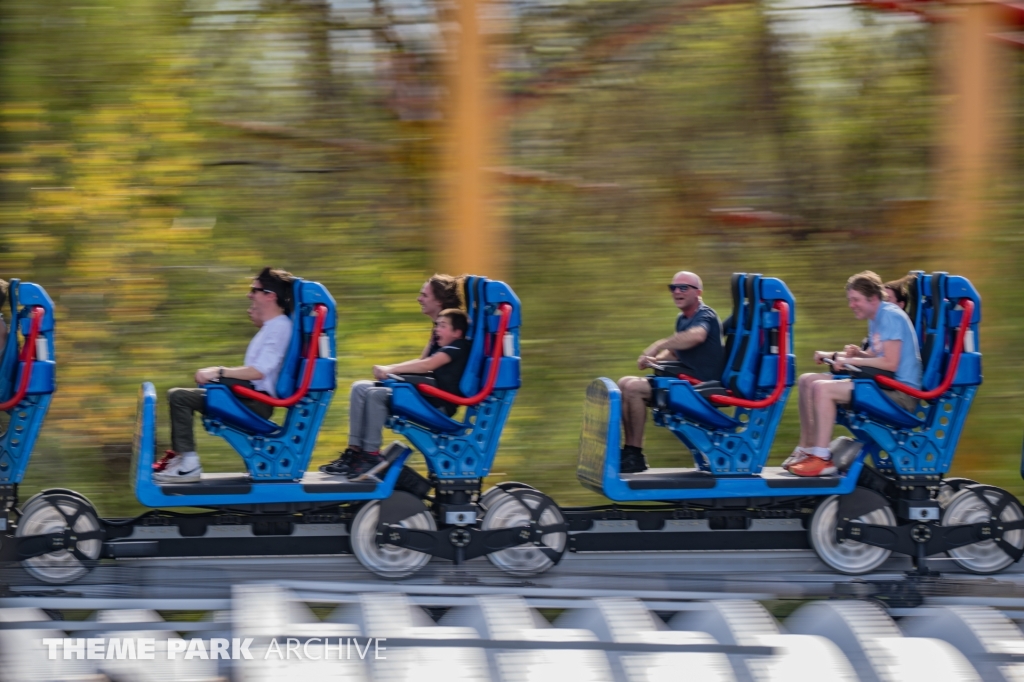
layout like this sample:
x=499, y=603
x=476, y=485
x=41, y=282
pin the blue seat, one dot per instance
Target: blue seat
x=923, y=441
x=275, y=451
x=27, y=376
x=466, y=447
x=738, y=443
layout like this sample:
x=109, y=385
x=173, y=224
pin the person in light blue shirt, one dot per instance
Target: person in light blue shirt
x=892, y=350
x=892, y=324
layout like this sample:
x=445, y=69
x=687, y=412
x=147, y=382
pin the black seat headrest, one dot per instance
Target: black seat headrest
x=752, y=280
x=913, y=295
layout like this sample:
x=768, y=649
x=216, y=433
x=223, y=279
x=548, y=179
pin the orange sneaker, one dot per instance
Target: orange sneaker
x=813, y=466
x=162, y=463
x=799, y=455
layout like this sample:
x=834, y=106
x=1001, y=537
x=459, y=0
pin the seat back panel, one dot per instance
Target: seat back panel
x=475, y=310
x=305, y=295
x=26, y=418
x=732, y=328
x=743, y=381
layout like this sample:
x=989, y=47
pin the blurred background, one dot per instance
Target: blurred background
x=155, y=154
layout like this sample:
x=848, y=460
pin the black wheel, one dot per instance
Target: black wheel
x=488, y=498
x=56, y=491
x=849, y=557
x=524, y=507
x=69, y=515
x=387, y=561
x=949, y=488
x=978, y=504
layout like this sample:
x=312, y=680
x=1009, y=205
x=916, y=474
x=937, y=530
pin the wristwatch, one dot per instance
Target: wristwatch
x=220, y=372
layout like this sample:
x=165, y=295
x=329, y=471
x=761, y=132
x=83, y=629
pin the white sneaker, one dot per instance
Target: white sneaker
x=177, y=473
x=799, y=455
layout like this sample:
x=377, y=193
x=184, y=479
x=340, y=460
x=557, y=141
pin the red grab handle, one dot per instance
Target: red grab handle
x=954, y=361
x=28, y=356
x=783, y=370
x=691, y=380
x=492, y=375
x=320, y=311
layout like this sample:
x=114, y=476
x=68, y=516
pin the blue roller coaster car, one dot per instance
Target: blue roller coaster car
x=902, y=503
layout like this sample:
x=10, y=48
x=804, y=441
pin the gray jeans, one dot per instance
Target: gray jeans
x=185, y=402
x=368, y=410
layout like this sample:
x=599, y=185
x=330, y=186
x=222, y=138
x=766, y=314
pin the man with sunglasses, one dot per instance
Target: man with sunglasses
x=695, y=350
x=270, y=305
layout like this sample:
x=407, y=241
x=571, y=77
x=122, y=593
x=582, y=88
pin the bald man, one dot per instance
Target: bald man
x=695, y=348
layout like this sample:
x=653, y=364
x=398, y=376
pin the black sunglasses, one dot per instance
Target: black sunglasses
x=680, y=287
x=255, y=289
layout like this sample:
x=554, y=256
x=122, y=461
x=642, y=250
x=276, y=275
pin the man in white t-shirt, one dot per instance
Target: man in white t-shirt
x=270, y=297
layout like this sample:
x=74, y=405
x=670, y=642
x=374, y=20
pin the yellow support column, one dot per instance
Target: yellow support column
x=472, y=240
x=977, y=75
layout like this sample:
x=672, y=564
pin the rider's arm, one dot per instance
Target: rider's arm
x=889, y=360
x=208, y=374
x=688, y=338
x=420, y=366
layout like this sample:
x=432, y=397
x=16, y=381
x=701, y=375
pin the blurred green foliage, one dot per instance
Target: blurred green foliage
x=154, y=155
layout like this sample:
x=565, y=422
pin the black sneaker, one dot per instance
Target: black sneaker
x=363, y=462
x=340, y=466
x=632, y=460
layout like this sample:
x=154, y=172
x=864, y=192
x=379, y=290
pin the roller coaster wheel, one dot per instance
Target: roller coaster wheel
x=55, y=491
x=522, y=507
x=949, y=488
x=849, y=557
x=977, y=504
x=70, y=515
x=488, y=498
x=387, y=561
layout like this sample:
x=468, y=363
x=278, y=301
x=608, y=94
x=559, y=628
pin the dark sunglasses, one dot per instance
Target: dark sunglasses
x=255, y=289
x=680, y=287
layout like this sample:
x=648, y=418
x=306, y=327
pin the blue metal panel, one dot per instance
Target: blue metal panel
x=968, y=372
x=508, y=373
x=22, y=431
x=27, y=417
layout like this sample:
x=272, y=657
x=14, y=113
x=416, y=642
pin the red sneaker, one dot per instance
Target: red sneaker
x=162, y=463
x=813, y=466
